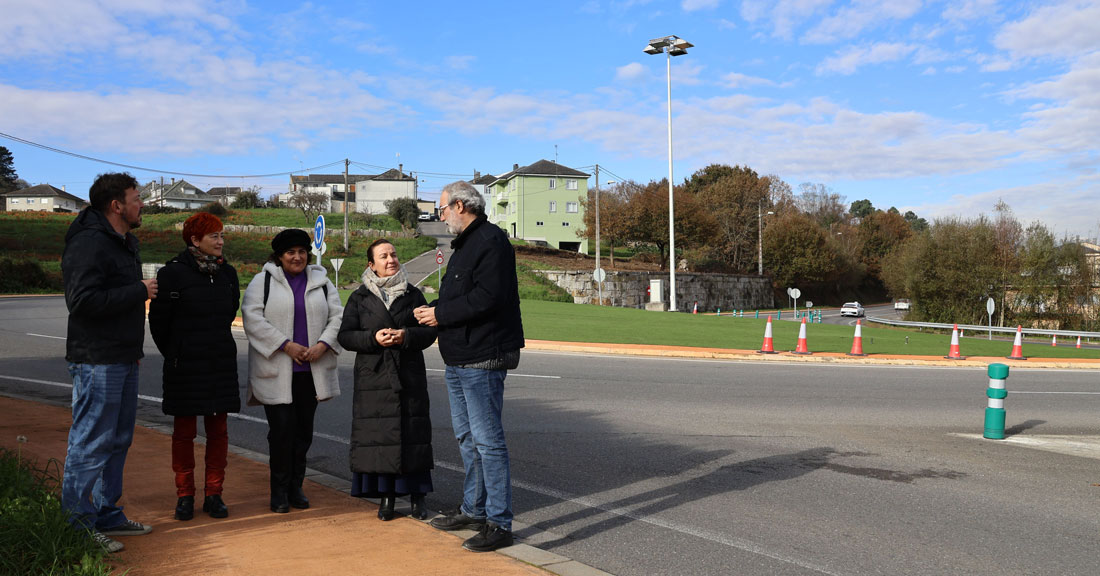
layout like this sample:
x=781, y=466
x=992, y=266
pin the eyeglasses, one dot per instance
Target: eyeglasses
x=447, y=207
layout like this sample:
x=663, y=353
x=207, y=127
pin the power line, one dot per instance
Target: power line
x=144, y=169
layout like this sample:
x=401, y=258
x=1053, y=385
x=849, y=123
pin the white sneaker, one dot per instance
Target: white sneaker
x=128, y=528
x=107, y=543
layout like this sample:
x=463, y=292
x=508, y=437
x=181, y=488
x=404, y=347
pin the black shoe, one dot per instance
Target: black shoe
x=185, y=508
x=214, y=506
x=385, y=508
x=456, y=520
x=490, y=538
x=280, y=504
x=298, y=498
x=419, y=512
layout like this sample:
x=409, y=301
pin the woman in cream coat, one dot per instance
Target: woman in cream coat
x=291, y=316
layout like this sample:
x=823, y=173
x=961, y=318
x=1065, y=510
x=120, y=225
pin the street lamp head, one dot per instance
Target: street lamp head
x=651, y=49
x=681, y=44
x=677, y=52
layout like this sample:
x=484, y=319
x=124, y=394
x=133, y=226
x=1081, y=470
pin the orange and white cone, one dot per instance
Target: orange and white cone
x=695, y=308
x=953, y=351
x=1018, y=346
x=802, y=348
x=768, y=347
x=857, y=342
x=1078, y=341
x=1054, y=340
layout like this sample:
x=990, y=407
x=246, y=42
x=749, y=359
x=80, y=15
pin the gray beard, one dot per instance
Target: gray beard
x=453, y=228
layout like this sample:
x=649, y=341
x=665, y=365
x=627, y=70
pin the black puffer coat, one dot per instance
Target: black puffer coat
x=191, y=322
x=391, y=427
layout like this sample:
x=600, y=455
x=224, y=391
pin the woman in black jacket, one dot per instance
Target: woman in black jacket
x=192, y=328
x=391, y=430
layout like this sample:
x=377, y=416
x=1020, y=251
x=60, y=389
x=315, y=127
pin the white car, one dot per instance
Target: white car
x=425, y=217
x=852, y=309
x=901, y=305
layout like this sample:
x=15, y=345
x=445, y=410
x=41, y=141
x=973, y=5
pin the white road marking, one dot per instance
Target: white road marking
x=510, y=374
x=46, y=336
x=1042, y=392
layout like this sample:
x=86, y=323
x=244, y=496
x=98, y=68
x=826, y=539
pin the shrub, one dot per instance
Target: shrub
x=35, y=533
x=215, y=208
x=27, y=276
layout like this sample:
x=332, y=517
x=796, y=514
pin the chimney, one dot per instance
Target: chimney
x=477, y=175
x=64, y=190
x=515, y=167
x=173, y=182
x=400, y=174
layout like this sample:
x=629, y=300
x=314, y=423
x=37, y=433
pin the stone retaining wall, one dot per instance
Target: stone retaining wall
x=629, y=289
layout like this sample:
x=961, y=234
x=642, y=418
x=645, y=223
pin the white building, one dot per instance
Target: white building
x=42, y=198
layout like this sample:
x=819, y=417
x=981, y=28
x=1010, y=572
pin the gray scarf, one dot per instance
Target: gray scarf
x=386, y=289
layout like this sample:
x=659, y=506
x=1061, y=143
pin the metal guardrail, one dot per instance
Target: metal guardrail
x=986, y=329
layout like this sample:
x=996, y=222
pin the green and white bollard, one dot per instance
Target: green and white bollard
x=995, y=411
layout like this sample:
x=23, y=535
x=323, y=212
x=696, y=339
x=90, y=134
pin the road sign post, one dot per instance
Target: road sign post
x=989, y=307
x=439, y=267
x=319, y=238
x=599, y=276
x=336, y=263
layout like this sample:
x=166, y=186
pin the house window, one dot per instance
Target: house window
x=14, y=200
x=538, y=223
x=553, y=183
x=571, y=207
x=334, y=190
x=566, y=224
x=553, y=206
x=571, y=184
x=45, y=200
x=513, y=185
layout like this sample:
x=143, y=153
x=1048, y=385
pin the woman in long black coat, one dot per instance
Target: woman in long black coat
x=191, y=323
x=391, y=430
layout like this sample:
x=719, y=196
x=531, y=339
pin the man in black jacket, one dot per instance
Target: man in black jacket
x=480, y=335
x=106, y=296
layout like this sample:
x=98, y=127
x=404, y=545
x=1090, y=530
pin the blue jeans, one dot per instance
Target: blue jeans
x=104, y=412
x=477, y=399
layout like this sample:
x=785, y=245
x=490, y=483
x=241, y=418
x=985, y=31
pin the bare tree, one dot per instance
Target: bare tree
x=312, y=204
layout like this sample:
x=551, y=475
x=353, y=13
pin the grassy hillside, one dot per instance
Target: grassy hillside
x=39, y=237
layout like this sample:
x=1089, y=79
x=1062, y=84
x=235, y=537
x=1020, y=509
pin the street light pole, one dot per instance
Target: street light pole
x=760, y=237
x=670, y=46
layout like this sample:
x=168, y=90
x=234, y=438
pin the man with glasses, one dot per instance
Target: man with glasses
x=480, y=336
x=105, y=295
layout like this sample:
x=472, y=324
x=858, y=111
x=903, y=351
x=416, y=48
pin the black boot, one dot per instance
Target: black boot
x=385, y=508
x=185, y=508
x=419, y=511
x=279, y=502
x=298, y=498
x=214, y=506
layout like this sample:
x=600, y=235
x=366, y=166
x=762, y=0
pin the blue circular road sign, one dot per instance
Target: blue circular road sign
x=319, y=232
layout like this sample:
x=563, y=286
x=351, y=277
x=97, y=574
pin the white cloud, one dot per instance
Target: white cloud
x=1063, y=30
x=783, y=15
x=460, y=62
x=850, y=21
x=631, y=72
x=693, y=5
x=738, y=80
x=851, y=59
x=724, y=24
x=967, y=10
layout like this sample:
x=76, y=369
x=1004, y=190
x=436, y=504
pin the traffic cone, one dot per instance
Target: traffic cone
x=857, y=342
x=1017, y=346
x=953, y=351
x=767, y=348
x=1078, y=341
x=695, y=308
x=802, y=348
x=1054, y=340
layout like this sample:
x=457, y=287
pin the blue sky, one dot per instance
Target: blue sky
x=940, y=107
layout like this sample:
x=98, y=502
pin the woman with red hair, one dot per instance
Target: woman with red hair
x=192, y=328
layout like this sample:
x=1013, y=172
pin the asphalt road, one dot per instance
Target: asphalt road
x=659, y=466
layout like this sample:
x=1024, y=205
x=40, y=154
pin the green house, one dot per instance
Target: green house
x=541, y=203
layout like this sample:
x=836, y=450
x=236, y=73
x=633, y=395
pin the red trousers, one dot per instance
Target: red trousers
x=183, y=453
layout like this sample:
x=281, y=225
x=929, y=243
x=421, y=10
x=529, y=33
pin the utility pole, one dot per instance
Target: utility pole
x=347, y=197
x=599, y=281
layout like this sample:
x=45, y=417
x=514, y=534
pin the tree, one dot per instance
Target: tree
x=822, y=204
x=1007, y=236
x=917, y=223
x=733, y=198
x=312, y=204
x=248, y=198
x=405, y=210
x=880, y=233
x=945, y=270
x=612, y=216
x=8, y=176
x=797, y=253
x=861, y=208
